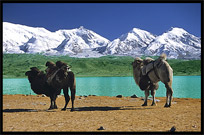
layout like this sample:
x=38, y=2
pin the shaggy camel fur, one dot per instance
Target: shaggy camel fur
x=160, y=71
x=60, y=77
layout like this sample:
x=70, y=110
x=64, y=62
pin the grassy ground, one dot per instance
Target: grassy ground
x=15, y=65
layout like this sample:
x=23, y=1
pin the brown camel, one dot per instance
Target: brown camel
x=60, y=77
x=51, y=84
x=147, y=73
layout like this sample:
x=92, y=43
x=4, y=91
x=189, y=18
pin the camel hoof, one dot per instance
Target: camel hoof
x=144, y=105
x=63, y=109
x=154, y=104
x=167, y=105
x=51, y=108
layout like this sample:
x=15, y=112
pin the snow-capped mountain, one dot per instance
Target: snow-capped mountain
x=176, y=43
x=133, y=42
x=81, y=42
x=24, y=39
x=76, y=40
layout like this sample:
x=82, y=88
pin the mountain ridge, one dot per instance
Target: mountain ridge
x=81, y=42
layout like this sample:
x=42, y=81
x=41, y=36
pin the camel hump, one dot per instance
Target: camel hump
x=49, y=64
x=59, y=64
x=163, y=56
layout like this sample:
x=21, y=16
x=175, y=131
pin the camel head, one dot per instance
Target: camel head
x=138, y=63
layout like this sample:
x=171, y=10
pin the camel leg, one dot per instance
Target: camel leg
x=169, y=93
x=51, y=106
x=153, y=96
x=67, y=98
x=146, y=96
x=73, y=92
x=53, y=103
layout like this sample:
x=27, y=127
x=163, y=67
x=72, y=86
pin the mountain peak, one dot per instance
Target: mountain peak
x=137, y=30
x=176, y=31
x=81, y=27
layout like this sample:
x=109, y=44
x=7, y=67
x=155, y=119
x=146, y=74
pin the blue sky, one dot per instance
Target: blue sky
x=110, y=20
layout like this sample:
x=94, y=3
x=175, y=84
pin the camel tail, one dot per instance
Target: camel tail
x=163, y=56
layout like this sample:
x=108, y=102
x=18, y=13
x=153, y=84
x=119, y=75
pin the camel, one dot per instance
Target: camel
x=148, y=72
x=51, y=85
x=59, y=76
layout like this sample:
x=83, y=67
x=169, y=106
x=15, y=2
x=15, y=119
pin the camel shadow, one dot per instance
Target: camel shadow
x=26, y=110
x=92, y=108
x=18, y=110
x=97, y=108
x=106, y=108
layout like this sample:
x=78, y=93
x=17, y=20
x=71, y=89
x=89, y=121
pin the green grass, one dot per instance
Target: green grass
x=15, y=65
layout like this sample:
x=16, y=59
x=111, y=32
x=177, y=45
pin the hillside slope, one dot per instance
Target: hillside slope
x=15, y=65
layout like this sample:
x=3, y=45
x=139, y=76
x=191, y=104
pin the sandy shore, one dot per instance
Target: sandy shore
x=29, y=113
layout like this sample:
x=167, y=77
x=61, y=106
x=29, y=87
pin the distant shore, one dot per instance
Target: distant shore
x=15, y=65
x=100, y=114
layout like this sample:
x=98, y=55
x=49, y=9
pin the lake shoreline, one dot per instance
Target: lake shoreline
x=29, y=113
x=142, y=97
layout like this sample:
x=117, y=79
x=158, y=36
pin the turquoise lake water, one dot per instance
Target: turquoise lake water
x=183, y=86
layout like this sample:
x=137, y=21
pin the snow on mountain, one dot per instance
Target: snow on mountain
x=23, y=39
x=176, y=43
x=133, y=42
x=76, y=40
x=81, y=42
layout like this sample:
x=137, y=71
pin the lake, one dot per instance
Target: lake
x=183, y=86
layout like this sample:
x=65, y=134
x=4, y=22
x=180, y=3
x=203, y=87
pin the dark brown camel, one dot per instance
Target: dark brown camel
x=60, y=77
x=52, y=88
